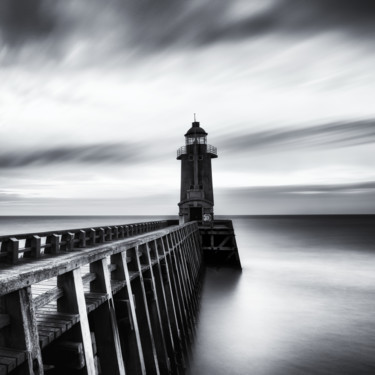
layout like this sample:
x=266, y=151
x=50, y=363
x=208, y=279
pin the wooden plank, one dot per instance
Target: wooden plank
x=49, y=336
x=47, y=297
x=74, y=318
x=117, y=286
x=60, y=326
x=10, y=363
x=18, y=355
x=88, y=278
x=65, y=324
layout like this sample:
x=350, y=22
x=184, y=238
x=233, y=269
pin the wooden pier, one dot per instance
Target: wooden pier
x=108, y=300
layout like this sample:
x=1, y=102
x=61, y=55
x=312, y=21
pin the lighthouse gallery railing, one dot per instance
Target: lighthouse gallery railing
x=209, y=150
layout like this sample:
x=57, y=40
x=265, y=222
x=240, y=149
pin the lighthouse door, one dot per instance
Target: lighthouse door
x=195, y=213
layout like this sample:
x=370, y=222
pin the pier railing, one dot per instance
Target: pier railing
x=96, y=301
x=35, y=245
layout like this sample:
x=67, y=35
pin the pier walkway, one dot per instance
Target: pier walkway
x=108, y=300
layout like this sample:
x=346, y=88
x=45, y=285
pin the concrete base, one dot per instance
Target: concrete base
x=219, y=244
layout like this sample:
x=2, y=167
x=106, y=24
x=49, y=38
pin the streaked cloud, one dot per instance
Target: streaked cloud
x=305, y=189
x=298, y=199
x=149, y=27
x=81, y=154
x=329, y=135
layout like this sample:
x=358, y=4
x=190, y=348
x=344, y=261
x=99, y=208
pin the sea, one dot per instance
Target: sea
x=304, y=303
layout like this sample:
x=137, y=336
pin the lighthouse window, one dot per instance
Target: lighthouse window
x=191, y=157
x=194, y=140
x=200, y=157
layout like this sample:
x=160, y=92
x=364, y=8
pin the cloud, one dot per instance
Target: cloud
x=148, y=27
x=337, y=134
x=24, y=20
x=7, y=196
x=360, y=187
x=352, y=16
x=84, y=154
x=355, y=198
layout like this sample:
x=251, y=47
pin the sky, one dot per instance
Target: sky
x=96, y=96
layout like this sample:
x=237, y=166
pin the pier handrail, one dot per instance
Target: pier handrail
x=35, y=245
x=31, y=271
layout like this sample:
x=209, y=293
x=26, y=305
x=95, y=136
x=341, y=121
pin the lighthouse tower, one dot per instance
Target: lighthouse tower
x=197, y=195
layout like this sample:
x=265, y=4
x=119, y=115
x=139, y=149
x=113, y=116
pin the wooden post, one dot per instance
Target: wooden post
x=181, y=286
x=172, y=305
x=183, y=256
x=34, y=243
x=73, y=302
x=54, y=241
x=68, y=241
x=164, y=311
x=108, y=236
x=177, y=293
x=143, y=318
x=81, y=235
x=101, y=235
x=115, y=233
x=133, y=363
x=22, y=333
x=121, y=232
x=92, y=237
x=104, y=317
x=11, y=247
x=154, y=310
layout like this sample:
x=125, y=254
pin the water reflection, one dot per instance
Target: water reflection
x=304, y=303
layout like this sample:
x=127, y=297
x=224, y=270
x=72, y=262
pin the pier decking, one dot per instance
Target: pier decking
x=99, y=300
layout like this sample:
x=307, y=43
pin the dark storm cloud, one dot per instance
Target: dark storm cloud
x=23, y=20
x=88, y=154
x=328, y=135
x=150, y=26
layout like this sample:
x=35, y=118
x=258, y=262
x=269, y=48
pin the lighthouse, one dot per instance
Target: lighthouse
x=197, y=195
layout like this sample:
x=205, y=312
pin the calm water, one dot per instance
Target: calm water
x=304, y=303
